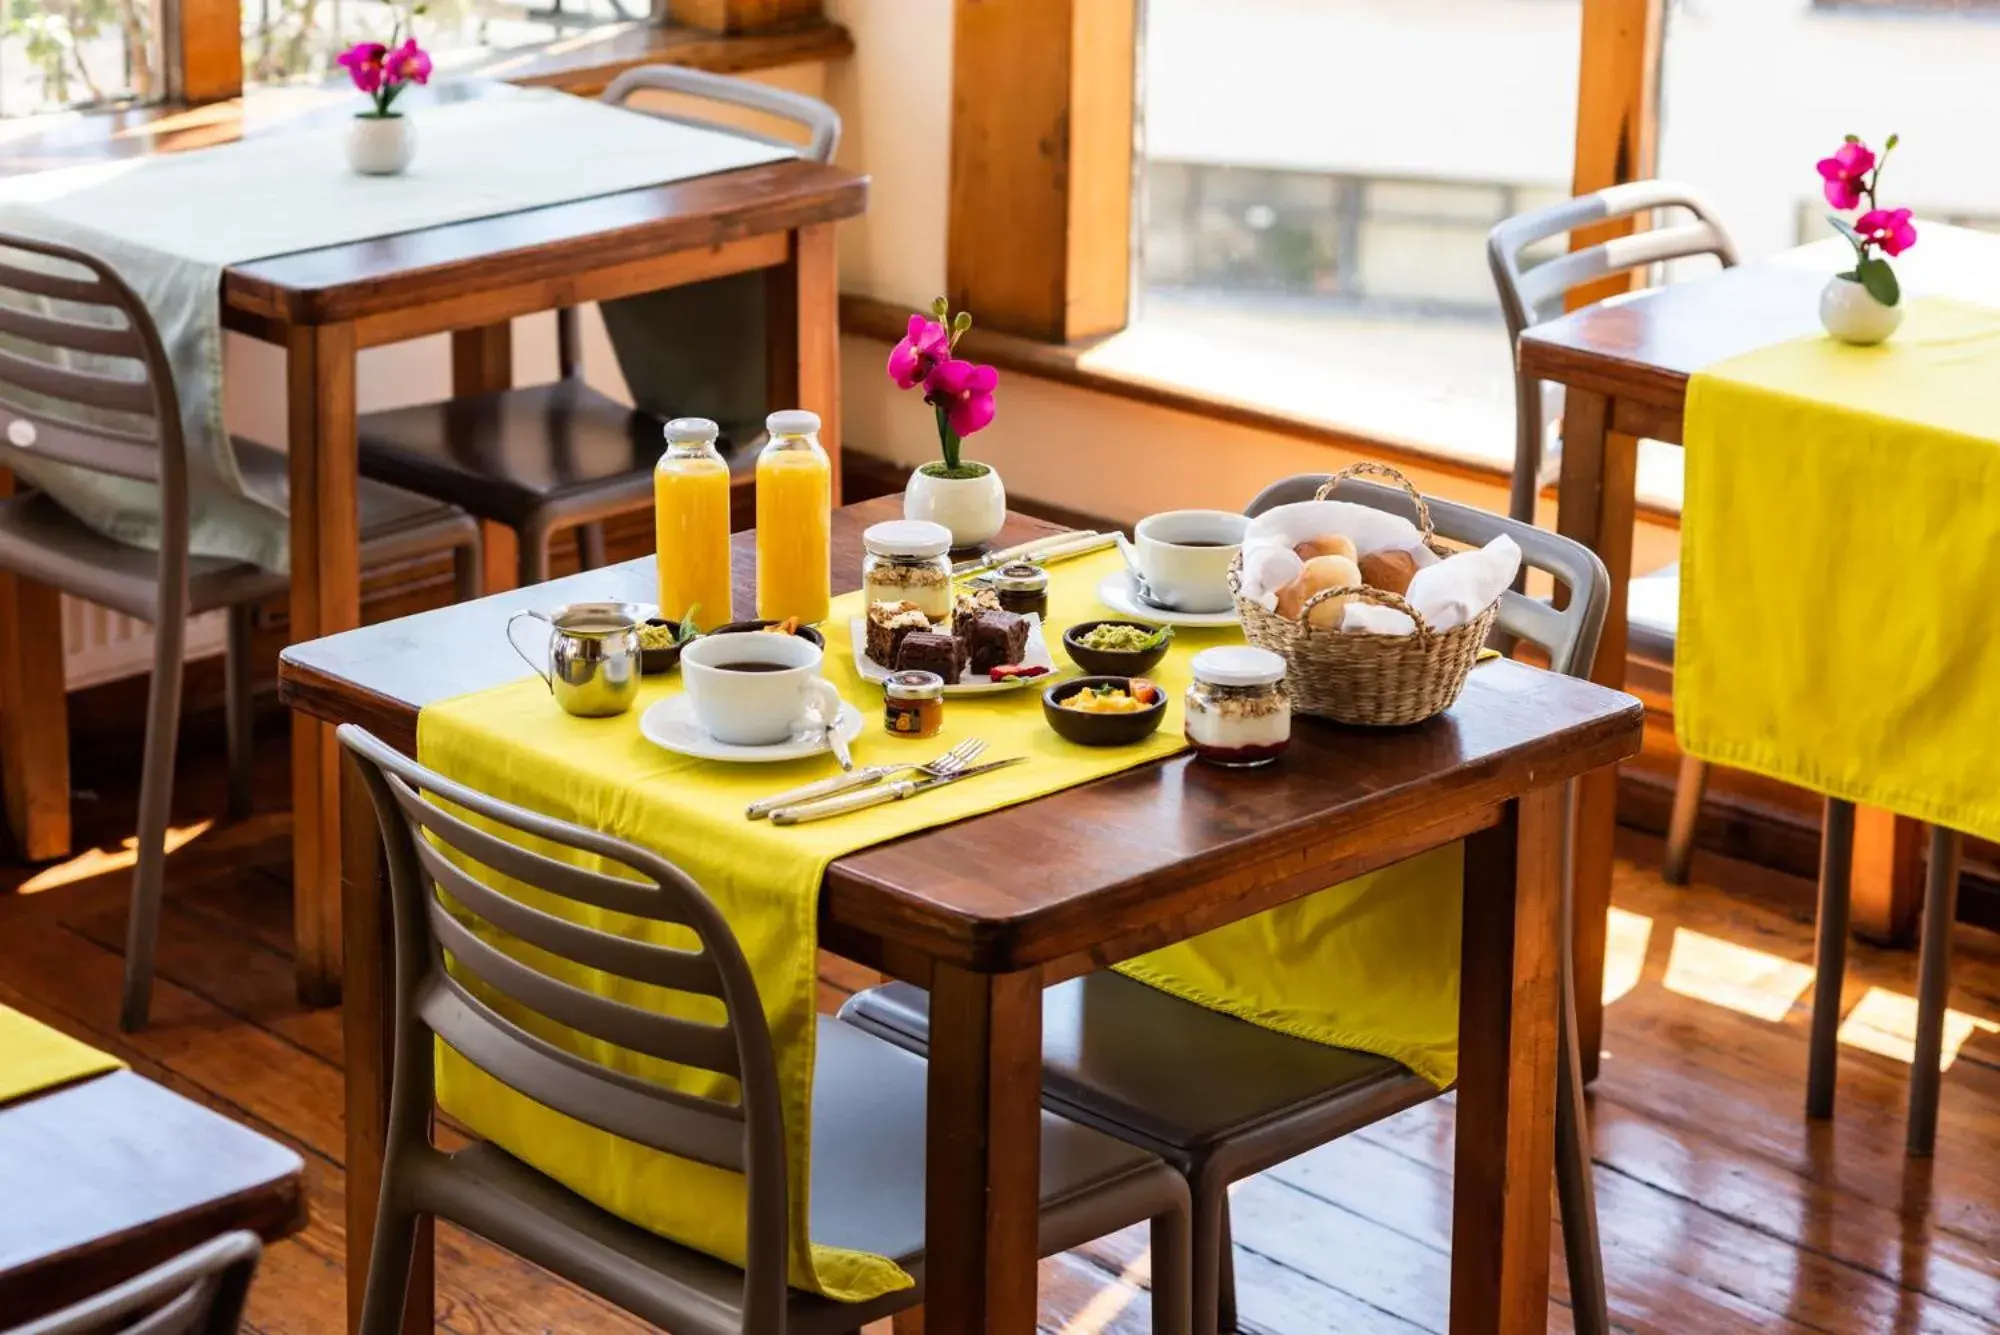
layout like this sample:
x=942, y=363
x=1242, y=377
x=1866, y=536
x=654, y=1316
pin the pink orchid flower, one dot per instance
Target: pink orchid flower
x=926, y=344
x=1890, y=229
x=1846, y=174
x=965, y=391
x=408, y=63
x=365, y=63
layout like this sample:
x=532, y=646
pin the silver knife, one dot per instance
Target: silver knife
x=876, y=796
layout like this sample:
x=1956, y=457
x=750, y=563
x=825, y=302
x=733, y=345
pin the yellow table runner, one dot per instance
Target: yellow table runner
x=1840, y=565
x=34, y=1057
x=1379, y=955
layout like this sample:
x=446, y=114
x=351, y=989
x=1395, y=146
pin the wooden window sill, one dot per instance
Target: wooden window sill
x=1085, y=365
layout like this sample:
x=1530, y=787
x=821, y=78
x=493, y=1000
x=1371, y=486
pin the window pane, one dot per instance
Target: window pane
x=1753, y=93
x=294, y=39
x=1319, y=177
x=77, y=53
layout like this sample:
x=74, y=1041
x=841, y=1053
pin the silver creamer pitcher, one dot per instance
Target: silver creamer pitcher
x=593, y=656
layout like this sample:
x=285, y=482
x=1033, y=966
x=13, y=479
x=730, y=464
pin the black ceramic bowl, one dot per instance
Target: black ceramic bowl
x=1100, y=729
x=734, y=627
x=1114, y=662
x=655, y=661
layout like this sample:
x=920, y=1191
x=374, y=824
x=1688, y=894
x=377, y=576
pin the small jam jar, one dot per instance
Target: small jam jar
x=1023, y=587
x=908, y=561
x=1238, y=713
x=913, y=704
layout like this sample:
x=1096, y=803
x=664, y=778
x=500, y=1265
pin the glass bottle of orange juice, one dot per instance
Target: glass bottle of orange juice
x=794, y=520
x=691, y=522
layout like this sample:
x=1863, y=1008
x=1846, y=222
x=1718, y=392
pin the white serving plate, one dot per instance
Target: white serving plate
x=671, y=724
x=1036, y=654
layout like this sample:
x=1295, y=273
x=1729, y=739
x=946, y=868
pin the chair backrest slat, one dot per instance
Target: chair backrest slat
x=821, y=122
x=709, y=1047
x=701, y=1129
x=199, y=1292
x=103, y=340
x=521, y=864
x=743, y=1133
x=1532, y=293
x=92, y=291
x=1568, y=636
x=662, y=966
x=121, y=454
x=81, y=388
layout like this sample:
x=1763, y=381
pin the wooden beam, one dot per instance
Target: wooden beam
x=1617, y=117
x=1040, y=237
x=738, y=16
x=204, y=50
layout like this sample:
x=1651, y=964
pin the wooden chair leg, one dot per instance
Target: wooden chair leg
x=1933, y=989
x=389, y=1260
x=1173, y=1265
x=590, y=548
x=1210, y=1238
x=1836, y=873
x=467, y=573
x=156, y=794
x=534, y=557
x=1576, y=1193
x=1689, y=789
x=239, y=711
x=1225, y=1276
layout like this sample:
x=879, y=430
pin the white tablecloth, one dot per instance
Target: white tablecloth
x=171, y=223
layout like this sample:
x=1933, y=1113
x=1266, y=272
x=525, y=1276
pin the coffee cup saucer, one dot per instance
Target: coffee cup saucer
x=1117, y=592
x=670, y=723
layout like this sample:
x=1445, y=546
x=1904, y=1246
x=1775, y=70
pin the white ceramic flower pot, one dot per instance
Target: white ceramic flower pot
x=973, y=508
x=381, y=145
x=1852, y=315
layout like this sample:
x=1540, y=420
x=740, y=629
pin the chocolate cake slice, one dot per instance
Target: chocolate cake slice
x=929, y=651
x=888, y=625
x=992, y=639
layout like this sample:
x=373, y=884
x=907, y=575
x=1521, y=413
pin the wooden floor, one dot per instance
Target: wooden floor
x=1722, y=1209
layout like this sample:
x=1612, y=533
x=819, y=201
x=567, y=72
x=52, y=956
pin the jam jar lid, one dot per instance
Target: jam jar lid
x=914, y=538
x=913, y=685
x=1238, y=665
x=1020, y=577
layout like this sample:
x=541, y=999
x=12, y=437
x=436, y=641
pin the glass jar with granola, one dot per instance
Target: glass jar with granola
x=908, y=561
x=1238, y=712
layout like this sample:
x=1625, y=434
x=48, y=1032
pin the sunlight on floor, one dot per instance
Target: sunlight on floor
x=1722, y=973
x=102, y=861
x=1105, y=1305
x=1626, y=938
x=1885, y=1022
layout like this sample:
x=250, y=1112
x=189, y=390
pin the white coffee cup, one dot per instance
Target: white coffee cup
x=1184, y=556
x=752, y=688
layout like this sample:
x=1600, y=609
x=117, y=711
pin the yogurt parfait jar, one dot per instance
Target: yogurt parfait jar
x=1238, y=712
x=908, y=561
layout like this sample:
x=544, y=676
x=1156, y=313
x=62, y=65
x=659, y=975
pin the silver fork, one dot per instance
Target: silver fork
x=951, y=762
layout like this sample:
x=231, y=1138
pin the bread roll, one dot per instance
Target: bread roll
x=1390, y=571
x=1322, y=572
x=1326, y=544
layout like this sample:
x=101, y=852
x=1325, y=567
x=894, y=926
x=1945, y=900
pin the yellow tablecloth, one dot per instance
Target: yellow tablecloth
x=34, y=1057
x=1840, y=567
x=1379, y=955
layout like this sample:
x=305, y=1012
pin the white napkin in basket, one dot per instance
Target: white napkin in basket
x=1447, y=593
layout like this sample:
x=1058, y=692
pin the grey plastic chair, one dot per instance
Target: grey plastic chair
x=199, y=1292
x=1532, y=293
x=544, y=459
x=1220, y=1098
x=867, y=1188
x=94, y=359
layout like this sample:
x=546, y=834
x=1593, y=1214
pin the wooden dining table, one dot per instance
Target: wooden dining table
x=112, y=1175
x=469, y=280
x=1625, y=365
x=988, y=912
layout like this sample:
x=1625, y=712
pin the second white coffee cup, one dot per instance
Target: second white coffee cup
x=750, y=688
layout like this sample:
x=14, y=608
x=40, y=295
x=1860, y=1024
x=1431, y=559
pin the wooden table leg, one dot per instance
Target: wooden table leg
x=982, y=1189
x=34, y=714
x=368, y=1041
x=1509, y=1011
x=1596, y=499
x=482, y=362
x=1888, y=889
x=326, y=597
x=802, y=329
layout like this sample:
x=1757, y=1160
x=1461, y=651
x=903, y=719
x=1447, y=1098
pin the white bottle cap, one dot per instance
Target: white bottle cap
x=916, y=538
x=691, y=431
x=792, y=422
x=1238, y=665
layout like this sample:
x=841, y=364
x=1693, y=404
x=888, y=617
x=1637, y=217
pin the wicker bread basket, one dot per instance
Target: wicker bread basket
x=1361, y=676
